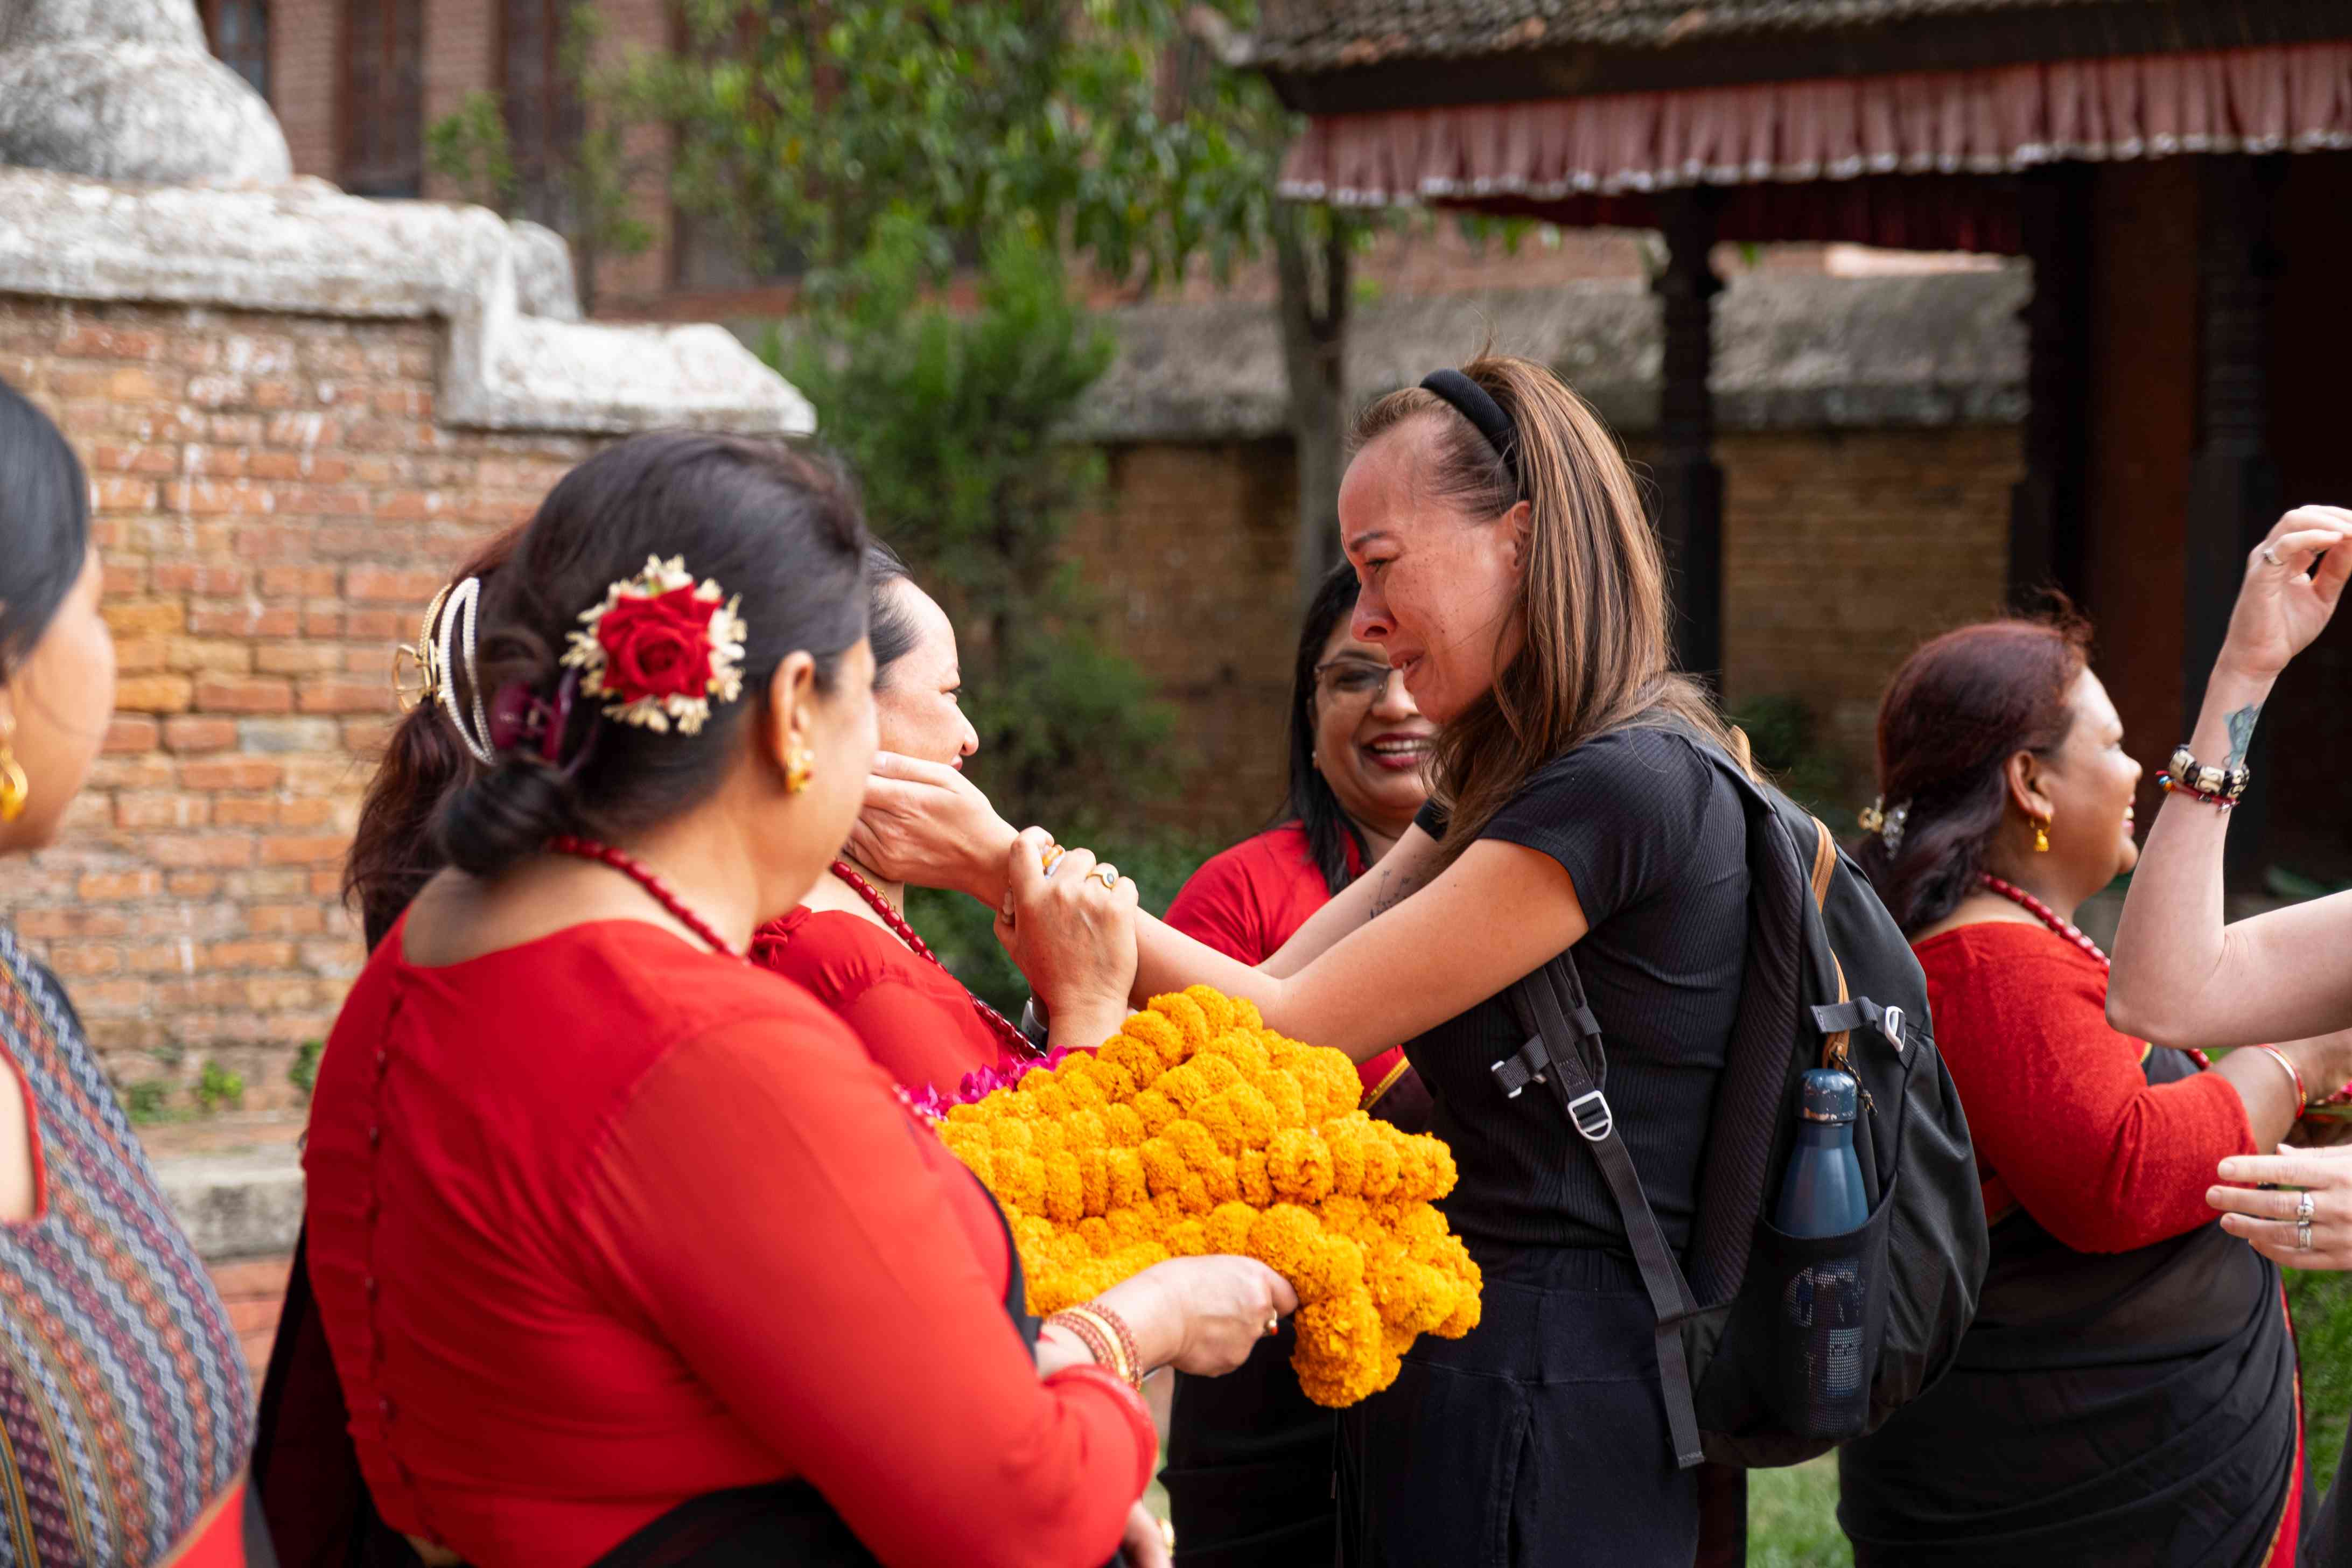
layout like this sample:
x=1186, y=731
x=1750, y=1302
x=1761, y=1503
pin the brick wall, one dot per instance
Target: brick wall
x=275, y=504
x=306, y=79
x=1843, y=550
x=1191, y=564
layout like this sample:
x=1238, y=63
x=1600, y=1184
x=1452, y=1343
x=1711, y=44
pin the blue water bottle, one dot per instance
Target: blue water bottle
x=1824, y=1304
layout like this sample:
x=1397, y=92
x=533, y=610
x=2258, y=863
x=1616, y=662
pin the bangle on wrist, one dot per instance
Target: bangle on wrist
x=1099, y=1349
x=1107, y=1338
x=2294, y=1073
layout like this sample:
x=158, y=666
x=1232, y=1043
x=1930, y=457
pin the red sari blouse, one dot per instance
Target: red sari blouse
x=604, y=1222
x=2064, y=1121
x=915, y=1018
x=1248, y=900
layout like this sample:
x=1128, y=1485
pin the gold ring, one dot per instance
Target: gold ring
x=1273, y=1327
x=1167, y=1533
x=1049, y=856
x=1107, y=874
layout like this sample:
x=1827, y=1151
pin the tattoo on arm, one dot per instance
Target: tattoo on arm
x=1386, y=897
x=2242, y=732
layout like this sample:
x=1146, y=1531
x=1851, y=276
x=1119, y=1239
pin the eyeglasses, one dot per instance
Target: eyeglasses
x=1359, y=679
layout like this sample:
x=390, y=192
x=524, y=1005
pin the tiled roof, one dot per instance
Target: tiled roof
x=1314, y=36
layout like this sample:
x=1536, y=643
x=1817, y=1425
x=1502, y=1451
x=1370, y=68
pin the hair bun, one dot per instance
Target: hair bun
x=505, y=816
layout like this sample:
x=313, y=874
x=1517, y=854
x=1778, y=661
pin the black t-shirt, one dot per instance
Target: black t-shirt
x=1655, y=842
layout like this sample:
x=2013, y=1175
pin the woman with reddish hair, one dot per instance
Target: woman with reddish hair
x=2128, y=1391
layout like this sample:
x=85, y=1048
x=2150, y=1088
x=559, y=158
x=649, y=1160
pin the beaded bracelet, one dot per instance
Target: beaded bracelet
x=2171, y=785
x=1088, y=1333
x=2184, y=774
x=1107, y=1338
x=2302, y=1098
x=1125, y=1339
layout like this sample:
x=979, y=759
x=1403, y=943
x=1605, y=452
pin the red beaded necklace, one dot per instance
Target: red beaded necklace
x=589, y=849
x=1005, y=1028
x=604, y=854
x=2067, y=928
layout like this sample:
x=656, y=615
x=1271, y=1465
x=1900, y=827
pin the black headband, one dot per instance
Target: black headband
x=1472, y=403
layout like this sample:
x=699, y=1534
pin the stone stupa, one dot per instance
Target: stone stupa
x=125, y=91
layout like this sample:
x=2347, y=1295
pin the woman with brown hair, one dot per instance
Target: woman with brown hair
x=1509, y=572
x=2127, y=1393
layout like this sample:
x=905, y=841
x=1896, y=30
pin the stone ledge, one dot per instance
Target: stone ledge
x=1791, y=352
x=306, y=248
x=247, y=1203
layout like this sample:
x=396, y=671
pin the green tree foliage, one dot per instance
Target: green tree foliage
x=468, y=145
x=802, y=128
x=949, y=417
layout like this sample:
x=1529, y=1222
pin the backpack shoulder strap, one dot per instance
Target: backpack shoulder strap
x=1561, y=1030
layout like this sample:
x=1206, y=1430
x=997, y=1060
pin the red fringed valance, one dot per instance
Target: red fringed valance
x=1599, y=160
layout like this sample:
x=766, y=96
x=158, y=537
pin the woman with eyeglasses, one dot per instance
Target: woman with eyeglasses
x=1249, y=1455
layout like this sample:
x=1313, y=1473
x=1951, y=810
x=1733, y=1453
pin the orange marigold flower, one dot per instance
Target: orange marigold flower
x=1300, y=1163
x=1195, y=1129
x=1157, y=1111
x=1257, y=1186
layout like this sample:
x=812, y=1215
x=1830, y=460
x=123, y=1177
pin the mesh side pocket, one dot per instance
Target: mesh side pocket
x=1828, y=1319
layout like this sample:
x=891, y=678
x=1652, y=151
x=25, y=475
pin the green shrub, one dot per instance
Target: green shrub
x=218, y=1089
x=951, y=422
x=303, y=1071
x=146, y=1102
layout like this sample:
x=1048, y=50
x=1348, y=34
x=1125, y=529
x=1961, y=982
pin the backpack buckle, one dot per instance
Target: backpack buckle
x=1589, y=1111
x=1522, y=1067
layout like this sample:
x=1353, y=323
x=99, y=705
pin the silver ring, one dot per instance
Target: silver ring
x=1107, y=874
x=2305, y=1206
x=2303, y=1236
x=2272, y=556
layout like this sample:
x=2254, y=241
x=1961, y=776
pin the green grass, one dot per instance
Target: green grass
x=1792, y=1518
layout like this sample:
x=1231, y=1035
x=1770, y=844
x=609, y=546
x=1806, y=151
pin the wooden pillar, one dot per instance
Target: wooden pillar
x=1690, y=485
x=2046, y=508
x=2233, y=483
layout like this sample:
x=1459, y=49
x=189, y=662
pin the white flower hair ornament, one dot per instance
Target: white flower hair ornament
x=661, y=648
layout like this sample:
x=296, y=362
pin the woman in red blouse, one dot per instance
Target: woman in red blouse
x=2128, y=1391
x=1249, y=1456
x=624, y=1250
x=849, y=940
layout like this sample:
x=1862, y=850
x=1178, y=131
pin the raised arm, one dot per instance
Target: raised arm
x=2183, y=976
x=1441, y=950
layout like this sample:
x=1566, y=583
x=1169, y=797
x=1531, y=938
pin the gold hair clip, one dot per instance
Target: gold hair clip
x=427, y=660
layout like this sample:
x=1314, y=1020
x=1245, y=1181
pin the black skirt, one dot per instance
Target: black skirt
x=2130, y=1408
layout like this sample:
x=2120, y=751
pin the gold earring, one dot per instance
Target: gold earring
x=2042, y=835
x=15, y=787
x=799, y=770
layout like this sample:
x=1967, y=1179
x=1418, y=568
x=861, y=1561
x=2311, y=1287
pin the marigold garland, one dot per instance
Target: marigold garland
x=1196, y=1130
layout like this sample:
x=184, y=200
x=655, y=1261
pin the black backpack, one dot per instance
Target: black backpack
x=1829, y=980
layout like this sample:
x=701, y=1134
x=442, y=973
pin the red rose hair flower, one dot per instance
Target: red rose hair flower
x=661, y=648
